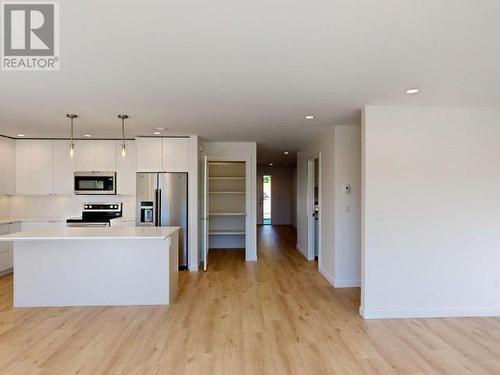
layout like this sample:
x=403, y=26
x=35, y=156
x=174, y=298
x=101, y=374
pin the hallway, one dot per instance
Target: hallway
x=276, y=316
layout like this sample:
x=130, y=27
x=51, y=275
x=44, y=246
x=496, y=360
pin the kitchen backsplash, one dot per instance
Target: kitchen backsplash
x=4, y=206
x=56, y=206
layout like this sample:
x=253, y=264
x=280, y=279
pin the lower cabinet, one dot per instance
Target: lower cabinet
x=6, y=248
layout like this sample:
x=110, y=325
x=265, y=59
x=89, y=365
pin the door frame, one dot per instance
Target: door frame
x=310, y=208
x=260, y=206
x=250, y=199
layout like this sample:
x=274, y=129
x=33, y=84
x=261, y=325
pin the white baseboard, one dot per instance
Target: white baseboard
x=301, y=250
x=5, y=272
x=341, y=283
x=347, y=283
x=327, y=276
x=427, y=313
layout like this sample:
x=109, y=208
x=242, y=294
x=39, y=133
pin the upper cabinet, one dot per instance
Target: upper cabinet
x=125, y=168
x=175, y=154
x=162, y=154
x=41, y=158
x=84, y=156
x=105, y=156
x=34, y=167
x=149, y=154
x=44, y=167
x=23, y=168
x=63, y=167
x=95, y=156
x=7, y=166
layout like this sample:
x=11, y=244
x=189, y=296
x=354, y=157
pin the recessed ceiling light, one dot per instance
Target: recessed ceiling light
x=157, y=133
x=412, y=91
x=270, y=164
x=21, y=135
x=87, y=135
x=286, y=152
x=309, y=117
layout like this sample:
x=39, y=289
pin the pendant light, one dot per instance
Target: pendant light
x=123, y=118
x=71, y=116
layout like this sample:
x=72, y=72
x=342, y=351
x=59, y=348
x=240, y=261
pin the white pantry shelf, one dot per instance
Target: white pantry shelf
x=222, y=213
x=227, y=192
x=227, y=232
x=227, y=178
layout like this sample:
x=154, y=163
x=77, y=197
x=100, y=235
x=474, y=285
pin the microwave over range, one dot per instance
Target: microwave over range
x=95, y=183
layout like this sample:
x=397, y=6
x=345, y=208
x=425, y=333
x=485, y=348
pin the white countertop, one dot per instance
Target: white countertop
x=91, y=233
x=8, y=220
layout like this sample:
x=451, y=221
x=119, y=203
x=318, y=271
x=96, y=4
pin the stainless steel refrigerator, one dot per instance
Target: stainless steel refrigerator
x=162, y=201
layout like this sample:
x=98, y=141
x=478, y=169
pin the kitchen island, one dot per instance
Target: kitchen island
x=95, y=266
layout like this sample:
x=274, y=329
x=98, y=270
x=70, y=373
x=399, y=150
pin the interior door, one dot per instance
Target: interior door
x=206, y=213
x=260, y=200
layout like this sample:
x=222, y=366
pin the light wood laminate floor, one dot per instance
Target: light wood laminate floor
x=276, y=316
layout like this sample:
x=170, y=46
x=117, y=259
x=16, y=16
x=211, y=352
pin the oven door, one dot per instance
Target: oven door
x=95, y=183
x=88, y=225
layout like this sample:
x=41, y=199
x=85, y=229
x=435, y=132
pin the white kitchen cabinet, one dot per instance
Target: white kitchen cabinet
x=7, y=166
x=126, y=168
x=23, y=167
x=63, y=167
x=149, y=154
x=105, y=156
x=162, y=154
x=175, y=153
x=3, y=148
x=6, y=248
x=13, y=228
x=84, y=156
x=95, y=155
x=34, y=167
x=41, y=167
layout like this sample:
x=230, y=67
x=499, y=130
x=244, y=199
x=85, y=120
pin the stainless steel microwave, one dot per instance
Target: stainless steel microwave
x=95, y=183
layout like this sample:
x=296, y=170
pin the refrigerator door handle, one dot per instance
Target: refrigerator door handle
x=158, y=208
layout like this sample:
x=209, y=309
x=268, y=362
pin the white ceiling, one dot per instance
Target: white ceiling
x=251, y=70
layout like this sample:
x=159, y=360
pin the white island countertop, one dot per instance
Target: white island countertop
x=95, y=266
x=71, y=233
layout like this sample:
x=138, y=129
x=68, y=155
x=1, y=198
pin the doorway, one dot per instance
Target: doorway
x=314, y=209
x=266, y=200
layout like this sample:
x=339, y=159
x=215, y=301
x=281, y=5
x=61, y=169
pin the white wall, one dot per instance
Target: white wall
x=293, y=197
x=347, y=170
x=339, y=148
x=431, y=212
x=281, y=192
x=323, y=147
